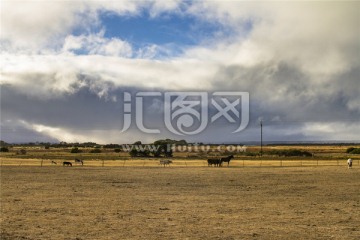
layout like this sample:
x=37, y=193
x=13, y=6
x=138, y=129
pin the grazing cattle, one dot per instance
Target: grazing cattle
x=215, y=161
x=67, y=164
x=79, y=161
x=53, y=162
x=227, y=159
x=165, y=162
x=349, y=163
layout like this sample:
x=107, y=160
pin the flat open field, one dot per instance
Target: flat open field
x=180, y=202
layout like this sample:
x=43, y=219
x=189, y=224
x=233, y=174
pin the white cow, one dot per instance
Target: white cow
x=349, y=163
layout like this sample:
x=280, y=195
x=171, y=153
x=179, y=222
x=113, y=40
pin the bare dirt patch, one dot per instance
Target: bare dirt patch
x=180, y=203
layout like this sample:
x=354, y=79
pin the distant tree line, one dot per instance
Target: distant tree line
x=160, y=147
x=290, y=153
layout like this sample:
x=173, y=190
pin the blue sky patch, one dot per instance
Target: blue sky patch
x=166, y=29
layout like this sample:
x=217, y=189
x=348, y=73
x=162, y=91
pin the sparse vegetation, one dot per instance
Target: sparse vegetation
x=95, y=150
x=290, y=153
x=252, y=154
x=21, y=152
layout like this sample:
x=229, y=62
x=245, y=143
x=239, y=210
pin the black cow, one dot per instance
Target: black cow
x=67, y=164
x=227, y=159
x=215, y=161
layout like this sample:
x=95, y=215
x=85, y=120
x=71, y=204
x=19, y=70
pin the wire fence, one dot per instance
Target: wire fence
x=177, y=163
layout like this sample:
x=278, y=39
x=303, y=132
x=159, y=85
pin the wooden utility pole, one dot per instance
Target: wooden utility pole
x=261, y=139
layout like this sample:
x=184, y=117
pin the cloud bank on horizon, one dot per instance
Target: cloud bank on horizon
x=65, y=65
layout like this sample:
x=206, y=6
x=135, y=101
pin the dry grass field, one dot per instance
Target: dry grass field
x=114, y=196
x=153, y=202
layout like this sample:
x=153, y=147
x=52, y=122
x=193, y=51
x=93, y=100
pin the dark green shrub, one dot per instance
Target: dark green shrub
x=355, y=151
x=4, y=149
x=111, y=145
x=350, y=149
x=75, y=150
x=139, y=153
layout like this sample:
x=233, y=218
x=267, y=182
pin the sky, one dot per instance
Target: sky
x=67, y=67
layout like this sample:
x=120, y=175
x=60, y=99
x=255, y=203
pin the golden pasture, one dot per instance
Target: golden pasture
x=116, y=197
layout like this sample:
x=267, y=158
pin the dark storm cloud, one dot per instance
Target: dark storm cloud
x=282, y=92
x=82, y=110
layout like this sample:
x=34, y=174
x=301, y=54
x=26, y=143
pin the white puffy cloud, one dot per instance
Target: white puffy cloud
x=96, y=44
x=32, y=25
x=37, y=75
x=58, y=73
x=314, y=36
x=158, y=7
